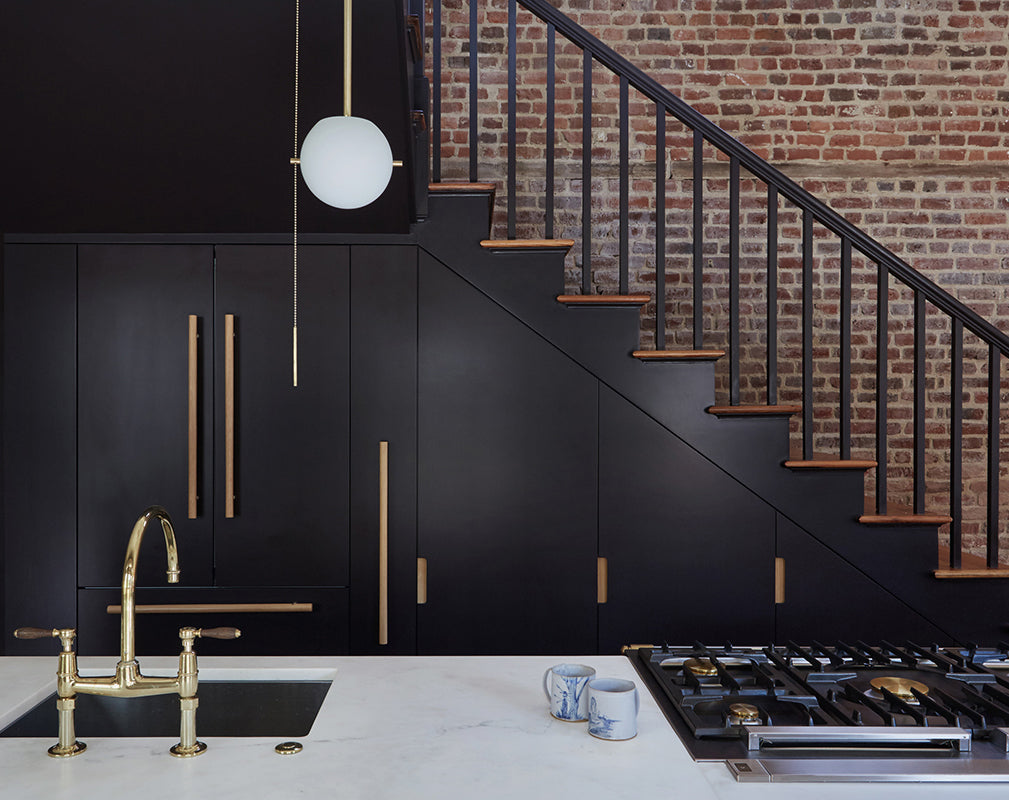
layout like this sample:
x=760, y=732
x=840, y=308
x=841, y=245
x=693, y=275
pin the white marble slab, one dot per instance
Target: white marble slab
x=466, y=727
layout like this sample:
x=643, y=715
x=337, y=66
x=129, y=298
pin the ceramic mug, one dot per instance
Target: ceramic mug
x=613, y=709
x=564, y=685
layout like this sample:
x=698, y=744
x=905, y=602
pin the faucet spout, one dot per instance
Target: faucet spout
x=128, y=618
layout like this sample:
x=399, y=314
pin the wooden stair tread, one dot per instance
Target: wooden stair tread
x=462, y=188
x=1000, y=572
x=971, y=566
x=527, y=244
x=678, y=355
x=830, y=463
x=754, y=411
x=905, y=519
x=603, y=299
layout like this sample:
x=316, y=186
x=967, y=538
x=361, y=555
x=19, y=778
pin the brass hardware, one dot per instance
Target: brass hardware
x=294, y=356
x=627, y=647
x=347, y=40
x=383, y=543
x=421, y=581
x=288, y=748
x=744, y=714
x=192, y=412
x=901, y=687
x=602, y=580
x=128, y=681
x=295, y=160
x=779, y=581
x=397, y=163
x=702, y=667
x=229, y=416
x=217, y=608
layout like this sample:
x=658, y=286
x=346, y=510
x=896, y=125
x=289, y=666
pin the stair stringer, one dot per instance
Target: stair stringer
x=825, y=505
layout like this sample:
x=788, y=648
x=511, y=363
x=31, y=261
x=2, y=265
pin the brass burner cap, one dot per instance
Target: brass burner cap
x=744, y=713
x=702, y=667
x=901, y=687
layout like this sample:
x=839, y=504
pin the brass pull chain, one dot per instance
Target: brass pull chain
x=294, y=165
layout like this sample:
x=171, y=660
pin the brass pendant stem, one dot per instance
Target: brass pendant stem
x=347, y=29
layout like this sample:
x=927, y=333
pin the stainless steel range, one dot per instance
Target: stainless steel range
x=840, y=712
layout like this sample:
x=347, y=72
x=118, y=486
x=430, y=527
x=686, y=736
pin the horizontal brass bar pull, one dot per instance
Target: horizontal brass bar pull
x=214, y=608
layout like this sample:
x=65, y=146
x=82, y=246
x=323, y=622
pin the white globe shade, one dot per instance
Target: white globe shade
x=346, y=161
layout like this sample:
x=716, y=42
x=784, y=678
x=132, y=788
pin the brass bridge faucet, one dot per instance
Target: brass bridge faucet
x=128, y=682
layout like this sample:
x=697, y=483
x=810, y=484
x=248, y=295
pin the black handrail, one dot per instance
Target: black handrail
x=772, y=176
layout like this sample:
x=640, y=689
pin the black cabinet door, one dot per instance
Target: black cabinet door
x=384, y=409
x=507, y=481
x=134, y=305
x=39, y=441
x=690, y=552
x=290, y=522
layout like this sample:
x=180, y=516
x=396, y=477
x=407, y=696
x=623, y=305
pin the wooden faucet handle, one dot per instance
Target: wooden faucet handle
x=36, y=633
x=218, y=633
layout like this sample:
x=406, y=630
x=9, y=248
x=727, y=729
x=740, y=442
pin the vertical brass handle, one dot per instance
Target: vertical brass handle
x=383, y=543
x=229, y=415
x=779, y=581
x=421, y=581
x=602, y=580
x=193, y=422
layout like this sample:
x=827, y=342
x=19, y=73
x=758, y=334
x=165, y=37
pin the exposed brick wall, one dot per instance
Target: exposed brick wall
x=895, y=114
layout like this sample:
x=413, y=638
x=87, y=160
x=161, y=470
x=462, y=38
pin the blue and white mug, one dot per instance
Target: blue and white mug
x=613, y=709
x=564, y=685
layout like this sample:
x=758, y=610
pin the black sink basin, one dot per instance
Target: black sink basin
x=227, y=708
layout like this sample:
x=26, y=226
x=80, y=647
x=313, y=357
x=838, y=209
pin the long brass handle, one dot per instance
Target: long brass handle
x=602, y=580
x=421, y=581
x=779, y=581
x=214, y=608
x=229, y=415
x=192, y=418
x=383, y=543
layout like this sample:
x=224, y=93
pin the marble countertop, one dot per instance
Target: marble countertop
x=398, y=727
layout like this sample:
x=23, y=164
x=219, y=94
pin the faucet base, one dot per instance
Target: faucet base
x=187, y=752
x=75, y=749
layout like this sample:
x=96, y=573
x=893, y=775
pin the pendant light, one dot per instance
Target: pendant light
x=346, y=161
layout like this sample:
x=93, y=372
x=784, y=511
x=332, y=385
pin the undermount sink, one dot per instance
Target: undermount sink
x=283, y=708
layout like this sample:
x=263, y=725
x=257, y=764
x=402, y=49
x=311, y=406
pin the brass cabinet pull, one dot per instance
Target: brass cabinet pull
x=421, y=581
x=779, y=581
x=602, y=580
x=213, y=608
x=193, y=422
x=383, y=543
x=229, y=415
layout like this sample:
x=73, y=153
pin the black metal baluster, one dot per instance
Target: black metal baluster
x=512, y=89
x=994, y=441
x=772, y=295
x=436, y=94
x=882, y=343
x=844, y=387
x=586, y=172
x=551, y=123
x=698, y=240
x=807, y=335
x=956, y=445
x=624, y=183
x=660, y=227
x=919, y=403
x=734, y=281
x=474, y=49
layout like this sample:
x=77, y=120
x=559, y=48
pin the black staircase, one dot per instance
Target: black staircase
x=712, y=149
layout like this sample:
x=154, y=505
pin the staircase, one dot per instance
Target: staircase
x=774, y=448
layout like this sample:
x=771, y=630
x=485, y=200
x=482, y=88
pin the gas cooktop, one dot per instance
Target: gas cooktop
x=840, y=711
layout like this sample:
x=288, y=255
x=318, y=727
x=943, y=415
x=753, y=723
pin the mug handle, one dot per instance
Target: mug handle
x=546, y=675
x=637, y=701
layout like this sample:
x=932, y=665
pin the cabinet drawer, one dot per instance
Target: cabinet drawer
x=280, y=629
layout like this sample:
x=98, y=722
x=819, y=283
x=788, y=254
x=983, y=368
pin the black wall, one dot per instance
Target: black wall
x=177, y=116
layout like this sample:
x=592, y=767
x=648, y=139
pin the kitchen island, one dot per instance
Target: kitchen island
x=406, y=727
